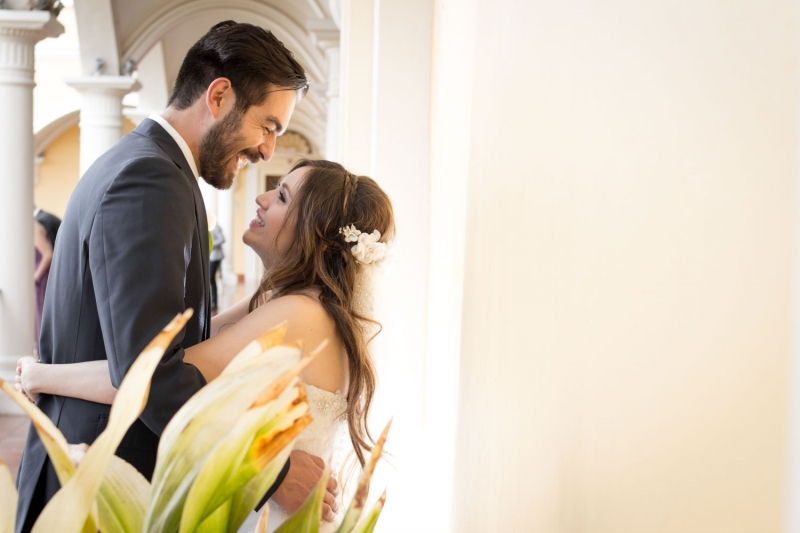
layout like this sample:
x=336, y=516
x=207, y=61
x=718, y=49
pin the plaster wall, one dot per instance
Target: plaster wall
x=628, y=268
x=59, y=171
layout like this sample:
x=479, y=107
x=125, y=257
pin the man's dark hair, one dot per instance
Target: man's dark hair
x=252, y=58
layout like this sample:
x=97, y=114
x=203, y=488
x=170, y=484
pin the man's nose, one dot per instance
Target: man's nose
x=267, y=148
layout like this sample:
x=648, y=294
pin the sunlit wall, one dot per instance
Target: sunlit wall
x=628, y=265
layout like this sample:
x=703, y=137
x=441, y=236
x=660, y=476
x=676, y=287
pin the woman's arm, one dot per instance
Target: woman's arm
x=88, y=381
x=230, y=316
x=91, y=380
x=307, y=321
x=42, y=244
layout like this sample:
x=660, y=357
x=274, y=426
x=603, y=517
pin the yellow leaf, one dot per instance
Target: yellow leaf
x=8, y=500
x=267, y=341
x=67, y=510
x=199, y=425
x=53, y=440
x=359, y=500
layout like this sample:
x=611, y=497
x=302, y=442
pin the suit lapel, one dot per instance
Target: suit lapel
x=153, y=130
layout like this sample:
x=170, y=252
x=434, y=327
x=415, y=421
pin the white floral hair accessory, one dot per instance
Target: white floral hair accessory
x=368, y=249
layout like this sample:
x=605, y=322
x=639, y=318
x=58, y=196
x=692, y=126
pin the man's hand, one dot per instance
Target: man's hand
x=304, y=473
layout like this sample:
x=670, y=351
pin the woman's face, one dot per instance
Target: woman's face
x=264, y=235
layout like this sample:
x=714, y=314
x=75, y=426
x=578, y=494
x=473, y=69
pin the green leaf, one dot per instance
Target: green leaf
x=368, y=524
x=231, y=465
x=244, y=501
x=122, y=498
x=307, y=518
x=216, y=521
x=195, y=430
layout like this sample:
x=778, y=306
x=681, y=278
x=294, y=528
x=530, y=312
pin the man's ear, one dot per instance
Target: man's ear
x=219, y=96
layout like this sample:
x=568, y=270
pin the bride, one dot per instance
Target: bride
x=319, y=234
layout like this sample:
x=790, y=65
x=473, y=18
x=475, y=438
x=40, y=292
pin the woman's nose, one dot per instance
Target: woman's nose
x=263, y=200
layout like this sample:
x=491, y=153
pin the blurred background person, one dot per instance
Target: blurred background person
x=45, y=229
x=216, y=256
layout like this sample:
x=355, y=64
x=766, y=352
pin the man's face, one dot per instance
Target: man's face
x=244, y=136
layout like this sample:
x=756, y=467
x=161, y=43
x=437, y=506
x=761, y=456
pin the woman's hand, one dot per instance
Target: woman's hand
x=22, y=381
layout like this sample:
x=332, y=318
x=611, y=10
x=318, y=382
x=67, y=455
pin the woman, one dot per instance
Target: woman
x=319, y=234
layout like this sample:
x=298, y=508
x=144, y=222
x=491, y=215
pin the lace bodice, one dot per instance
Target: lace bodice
x=325, y=437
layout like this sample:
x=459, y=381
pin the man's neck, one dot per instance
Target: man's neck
x=189, y=126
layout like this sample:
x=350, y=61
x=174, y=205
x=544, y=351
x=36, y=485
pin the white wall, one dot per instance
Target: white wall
x=385, y=97
x=630, y=209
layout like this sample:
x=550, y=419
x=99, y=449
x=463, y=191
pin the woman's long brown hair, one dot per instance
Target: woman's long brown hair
x=330, y=198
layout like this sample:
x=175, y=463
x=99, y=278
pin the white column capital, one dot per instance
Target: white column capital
x=101, y=112
x=115, y=85
x=19, y=33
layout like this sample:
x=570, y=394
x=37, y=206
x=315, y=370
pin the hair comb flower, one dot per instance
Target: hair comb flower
x=368, y=249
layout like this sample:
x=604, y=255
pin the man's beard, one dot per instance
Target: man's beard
x=218, y=147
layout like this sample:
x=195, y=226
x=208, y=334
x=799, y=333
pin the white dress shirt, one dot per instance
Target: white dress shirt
x=178, y=139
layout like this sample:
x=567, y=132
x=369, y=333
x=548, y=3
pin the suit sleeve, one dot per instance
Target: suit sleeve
x=139, y=250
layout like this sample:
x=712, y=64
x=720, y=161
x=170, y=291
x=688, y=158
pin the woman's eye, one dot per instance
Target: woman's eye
x=281, y=197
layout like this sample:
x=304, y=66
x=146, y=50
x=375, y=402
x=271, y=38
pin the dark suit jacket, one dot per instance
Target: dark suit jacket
x=132, y=252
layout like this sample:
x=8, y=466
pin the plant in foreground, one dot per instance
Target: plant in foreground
x=216, y=458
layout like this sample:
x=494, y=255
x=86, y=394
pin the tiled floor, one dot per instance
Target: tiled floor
x=13, y=430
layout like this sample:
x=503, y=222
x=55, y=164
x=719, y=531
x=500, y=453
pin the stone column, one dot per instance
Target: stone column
x=19, y=33
x=253, y=268
x=225, y=220
x=101, y=113
x=332, y=95
x=326, y=35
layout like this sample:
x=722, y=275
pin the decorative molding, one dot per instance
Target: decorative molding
x=37, y=21
x=52, y=131
x=161, y=21
x=293, y=143
x=19, y=33
x=335, y=7
x=324, y=33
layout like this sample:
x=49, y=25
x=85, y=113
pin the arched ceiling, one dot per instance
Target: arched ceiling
x=182, y=23
x=175, y=25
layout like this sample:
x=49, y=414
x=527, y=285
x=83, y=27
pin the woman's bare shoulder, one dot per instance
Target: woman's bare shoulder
x=310, y=323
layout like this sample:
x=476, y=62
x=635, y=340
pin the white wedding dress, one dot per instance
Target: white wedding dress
x=325, y=437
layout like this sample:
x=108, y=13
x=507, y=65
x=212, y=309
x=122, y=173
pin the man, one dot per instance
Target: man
x=132, y=251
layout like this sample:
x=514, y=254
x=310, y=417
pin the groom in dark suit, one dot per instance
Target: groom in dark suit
x=132, y=251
